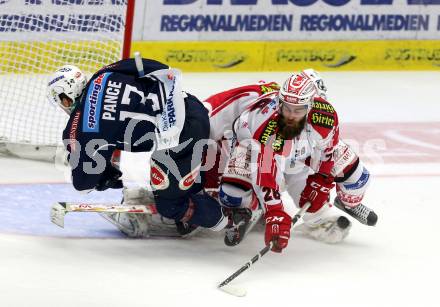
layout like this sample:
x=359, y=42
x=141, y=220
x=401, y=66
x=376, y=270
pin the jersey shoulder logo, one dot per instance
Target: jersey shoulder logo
x=322, y=114
x=322, y=105
x=323, y=120
x=269, y=87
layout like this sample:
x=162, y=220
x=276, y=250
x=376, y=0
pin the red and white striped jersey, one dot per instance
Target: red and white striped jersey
x=227, y=106
x=273, y=157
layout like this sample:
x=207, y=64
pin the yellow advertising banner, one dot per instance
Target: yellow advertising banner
x=205, y=56
x=288, y=56
x=230, y=56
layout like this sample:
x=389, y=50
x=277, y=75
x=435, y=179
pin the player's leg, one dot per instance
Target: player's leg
x=352, y=180
x=237, y=196
x=136, y=225
x=177, y=176
x=350, y=194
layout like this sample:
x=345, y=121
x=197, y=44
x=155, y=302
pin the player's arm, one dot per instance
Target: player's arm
x=92, y=168
x=323, y=125
x=239, y=98
x=324, y=135
x=90, y=157
x=236, y=182
x=240, y=181
x=278, y=221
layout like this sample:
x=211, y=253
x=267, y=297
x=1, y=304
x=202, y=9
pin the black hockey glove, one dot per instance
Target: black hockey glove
x=110, y=179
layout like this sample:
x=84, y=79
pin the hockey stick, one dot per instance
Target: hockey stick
x=239, y=292
x=60, y=209
x=139, y=64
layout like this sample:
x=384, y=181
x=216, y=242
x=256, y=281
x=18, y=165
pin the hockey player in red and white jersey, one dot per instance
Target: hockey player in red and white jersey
x=289, y=140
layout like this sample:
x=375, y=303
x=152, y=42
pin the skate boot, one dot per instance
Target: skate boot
x=186, y=230
x=361, y=212
x=241, y=221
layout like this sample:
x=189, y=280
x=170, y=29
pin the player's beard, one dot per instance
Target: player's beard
x=290, y=129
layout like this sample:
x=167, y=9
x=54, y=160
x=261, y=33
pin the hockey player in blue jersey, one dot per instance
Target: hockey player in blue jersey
x=119, y=110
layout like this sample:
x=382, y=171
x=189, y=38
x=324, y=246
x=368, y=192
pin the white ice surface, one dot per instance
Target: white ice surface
x=392, y=264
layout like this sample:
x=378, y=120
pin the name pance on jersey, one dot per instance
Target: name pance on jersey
x=110, y=100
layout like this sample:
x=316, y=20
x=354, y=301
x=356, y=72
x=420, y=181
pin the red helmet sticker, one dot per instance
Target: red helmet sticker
x=186, y=182
x=159, y=180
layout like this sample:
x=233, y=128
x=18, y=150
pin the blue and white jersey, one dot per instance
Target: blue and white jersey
x=120, y=110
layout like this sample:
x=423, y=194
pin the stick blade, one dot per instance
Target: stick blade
x=233, y=290
x=57, y=213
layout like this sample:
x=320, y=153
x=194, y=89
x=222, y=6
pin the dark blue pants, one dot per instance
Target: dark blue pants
x=179, y=196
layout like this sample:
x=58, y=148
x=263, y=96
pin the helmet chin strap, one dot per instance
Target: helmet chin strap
x=75, y=103
x=280, y=109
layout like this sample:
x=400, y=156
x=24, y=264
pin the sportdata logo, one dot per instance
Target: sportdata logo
x=92, y=108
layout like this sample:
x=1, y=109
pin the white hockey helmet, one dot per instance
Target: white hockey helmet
x=298, y=90
x=67, y=81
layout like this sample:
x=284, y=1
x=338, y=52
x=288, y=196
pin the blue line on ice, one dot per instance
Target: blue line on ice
x=25, y=208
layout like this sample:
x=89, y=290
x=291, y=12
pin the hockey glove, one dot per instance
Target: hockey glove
x=110, y=179
x=277, y=231
x=316, y=191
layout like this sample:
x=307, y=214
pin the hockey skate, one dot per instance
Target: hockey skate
x=241, y=221
x=329, y=230
x=186, y=230
x=361, y=212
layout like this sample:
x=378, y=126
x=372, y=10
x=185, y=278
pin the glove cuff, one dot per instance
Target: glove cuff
x=277, y=216
x=327, y=179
